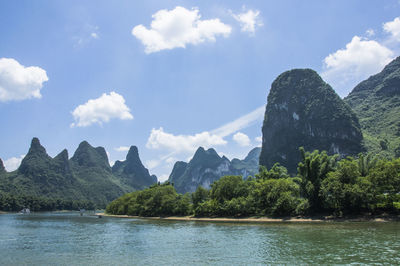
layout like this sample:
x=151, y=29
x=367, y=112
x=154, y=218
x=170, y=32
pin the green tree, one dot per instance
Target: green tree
x=313, y=169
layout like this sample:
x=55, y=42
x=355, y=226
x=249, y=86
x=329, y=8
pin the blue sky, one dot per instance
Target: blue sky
x=169, y=76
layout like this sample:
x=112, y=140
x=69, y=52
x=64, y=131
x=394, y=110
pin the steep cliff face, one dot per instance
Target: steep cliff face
x=207, y=166
x=132, y=171
x=2, y=168
x=376, y=101
x=303, y=110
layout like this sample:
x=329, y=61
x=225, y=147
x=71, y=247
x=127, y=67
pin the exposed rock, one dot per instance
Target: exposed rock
x=132, y=171
x=2, y=168
x=303, y=110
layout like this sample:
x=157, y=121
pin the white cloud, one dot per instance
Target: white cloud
x=159, y=139
x=248, y=20
x=101, y=110
x=393, y=28
x=84, y=34
x=13, y=163
x=258, y=139
x=122, y=148
x=241, y=139
x=182, y=147
x=18, y=82
x=163, y=177
x=370, y=32
x=178, y=27
x=151, y=164
x=240, y=123
x=361, y=58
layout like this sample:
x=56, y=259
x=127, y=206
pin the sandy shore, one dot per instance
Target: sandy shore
x=265, y=219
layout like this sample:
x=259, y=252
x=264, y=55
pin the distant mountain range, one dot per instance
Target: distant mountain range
x=206, y=166
x=86, y=176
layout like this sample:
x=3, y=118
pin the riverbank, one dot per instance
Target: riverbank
x=319, y=219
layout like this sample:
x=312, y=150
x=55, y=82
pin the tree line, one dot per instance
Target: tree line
x=13, y=203
x=323, y=185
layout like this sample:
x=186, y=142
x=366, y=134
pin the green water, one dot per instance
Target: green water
x=68, y=239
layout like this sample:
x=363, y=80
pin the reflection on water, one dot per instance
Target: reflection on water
x=67, y=238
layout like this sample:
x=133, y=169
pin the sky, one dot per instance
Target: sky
x=170, y=76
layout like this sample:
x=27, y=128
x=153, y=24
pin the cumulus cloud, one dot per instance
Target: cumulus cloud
x=393, y=28
x=178, y=27
x=101, y=110
x=258, y=139
x=159, y=139
x=182, y=147
x=122, y=148
x=361, y=58
x=13, y=163
x=249, y=20
x=241, y=139
x=18, y=82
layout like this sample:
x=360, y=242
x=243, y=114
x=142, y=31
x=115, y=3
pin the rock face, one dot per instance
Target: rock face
x=207, y=166
x=2, y=168
x=376, y=101
x=132, y=171
x=303, y=110
x=86, y=176
x=249, y=165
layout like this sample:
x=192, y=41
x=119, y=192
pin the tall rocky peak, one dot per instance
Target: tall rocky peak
x=133, y=154
x=36, y=148
x=178, y=170
x=376, y=101
x=203, y=156
x=36, y=160
x=88, y=156
x=132, y=171
x=303, y=110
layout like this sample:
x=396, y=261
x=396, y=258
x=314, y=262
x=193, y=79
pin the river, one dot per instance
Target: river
x=68, y=239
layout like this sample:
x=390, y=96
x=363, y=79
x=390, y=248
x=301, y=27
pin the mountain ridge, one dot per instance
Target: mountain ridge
x=207, y=166
x=87, y=175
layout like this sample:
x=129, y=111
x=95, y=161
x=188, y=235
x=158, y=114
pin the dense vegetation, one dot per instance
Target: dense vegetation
x=376, y=103
x=12, y=203
x=62, y=183
x=323, y=185
x=158, y=200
